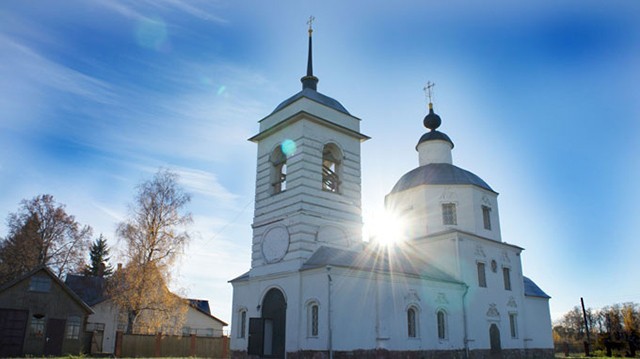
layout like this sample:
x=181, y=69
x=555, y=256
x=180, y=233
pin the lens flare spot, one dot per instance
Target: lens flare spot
x=205, y=81
x=288, y=147
x=385, y=228
x=221, y=89
x=152, y=33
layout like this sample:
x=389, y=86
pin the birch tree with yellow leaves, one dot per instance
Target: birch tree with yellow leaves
x=154, y=235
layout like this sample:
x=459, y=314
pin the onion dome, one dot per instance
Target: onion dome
x=432, y=121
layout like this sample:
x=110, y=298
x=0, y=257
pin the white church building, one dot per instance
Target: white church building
x=452, y=289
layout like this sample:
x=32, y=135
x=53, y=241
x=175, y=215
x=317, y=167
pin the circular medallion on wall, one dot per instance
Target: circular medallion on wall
x=275, y=244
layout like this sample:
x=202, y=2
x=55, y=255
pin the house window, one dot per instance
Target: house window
x=449, y=214
x=331, y=160
x=486, y=217
x=442, y=324
x=513, y=325
x=242, y=328
x=73, y=327
x=412, y=323
x=186, y=331
x=40, y=284
x=506, y=274
x=312, y=319
x=482, y=276
x=279, y=170
x=37, y=325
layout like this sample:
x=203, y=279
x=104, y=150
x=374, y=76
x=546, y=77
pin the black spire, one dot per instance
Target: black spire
x=309, y=81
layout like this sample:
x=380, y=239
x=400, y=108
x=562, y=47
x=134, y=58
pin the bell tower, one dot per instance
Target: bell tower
x=308, y=182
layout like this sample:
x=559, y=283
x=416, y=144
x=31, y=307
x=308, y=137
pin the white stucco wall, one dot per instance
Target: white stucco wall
x=200, y=322
x=537, y=330
x=434, y=151
x=106, y=313
x=421, y=208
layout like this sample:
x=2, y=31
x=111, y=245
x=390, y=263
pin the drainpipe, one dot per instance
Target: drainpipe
x=464, y=318
x=330, y=341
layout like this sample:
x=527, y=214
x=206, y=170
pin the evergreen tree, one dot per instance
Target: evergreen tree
x=98, y=257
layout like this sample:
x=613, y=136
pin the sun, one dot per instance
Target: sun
x=385, y=228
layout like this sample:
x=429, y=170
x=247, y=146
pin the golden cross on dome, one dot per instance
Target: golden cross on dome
x=428, y=90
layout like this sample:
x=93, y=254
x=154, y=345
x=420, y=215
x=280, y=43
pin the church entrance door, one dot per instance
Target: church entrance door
x=494, y=337
x=274, y=313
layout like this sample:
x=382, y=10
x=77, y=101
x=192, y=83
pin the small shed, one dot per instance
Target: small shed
x=40, y=316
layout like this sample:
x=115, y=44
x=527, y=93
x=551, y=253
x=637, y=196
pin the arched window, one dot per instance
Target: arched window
x=412, y=322
x=242, y=323
x=331, y=168
x=312, y=319
x=279, y=170
x=442, y=324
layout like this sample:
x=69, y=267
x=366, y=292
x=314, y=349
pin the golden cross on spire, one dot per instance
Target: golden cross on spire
x=310, y=23
x=428, y=90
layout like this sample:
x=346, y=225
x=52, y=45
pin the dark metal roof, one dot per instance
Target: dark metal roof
x=314, y=96
x=434, y=135
x=532, y=290
x=242, y=277
x=397, y=259
x=201, y=304
x=438, y=174
x=91, y=289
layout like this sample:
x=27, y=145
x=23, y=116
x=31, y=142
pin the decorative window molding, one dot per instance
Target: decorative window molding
x=486, y=200
x=479, y=252
x=493, y=312
x=411, y=296
x=441, y=298
x=512, y=303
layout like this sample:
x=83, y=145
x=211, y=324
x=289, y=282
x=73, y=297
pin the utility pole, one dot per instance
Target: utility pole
x=586, y=327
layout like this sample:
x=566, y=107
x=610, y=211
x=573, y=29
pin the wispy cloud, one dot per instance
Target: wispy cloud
x=140, y=9
x=204, y=183
x=29, y=78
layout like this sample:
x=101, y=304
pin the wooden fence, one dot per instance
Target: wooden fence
x=139, y=345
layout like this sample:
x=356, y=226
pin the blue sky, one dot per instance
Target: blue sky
x=540, y=98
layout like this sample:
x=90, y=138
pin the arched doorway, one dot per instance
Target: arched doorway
x=494, y=337
x=274, y=313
